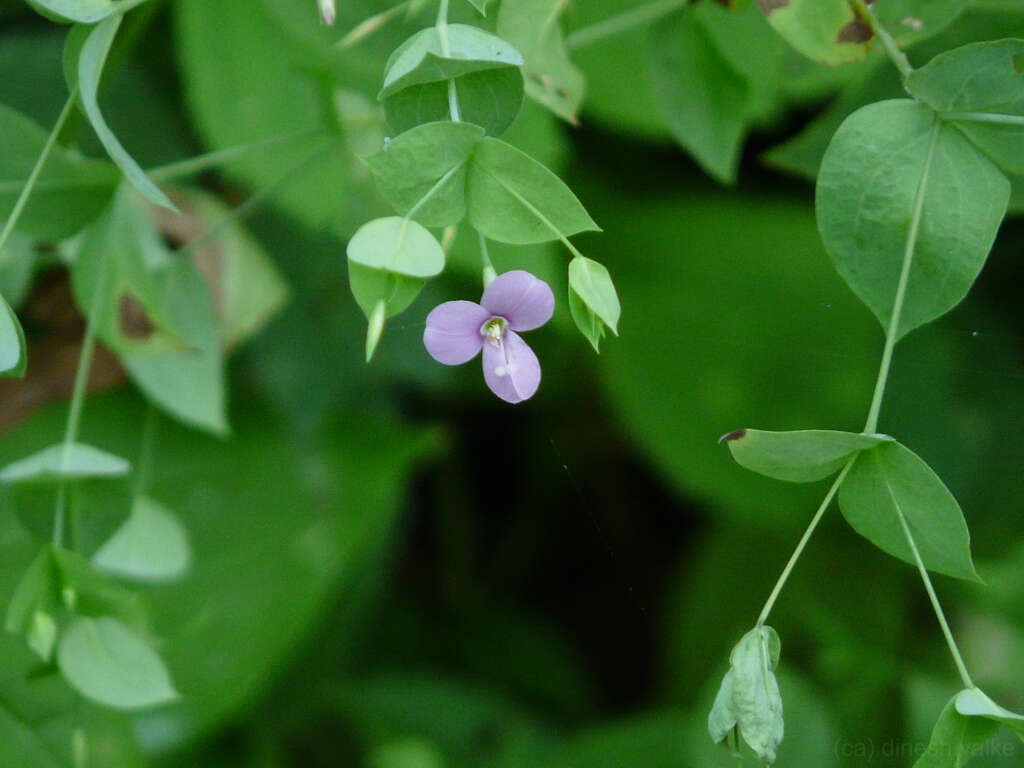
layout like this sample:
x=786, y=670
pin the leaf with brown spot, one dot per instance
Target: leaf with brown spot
x=155, y=312
x=824, y=30
x=132, y=319
x=246, y=286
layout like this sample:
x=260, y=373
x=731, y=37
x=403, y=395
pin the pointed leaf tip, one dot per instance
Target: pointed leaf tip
x=736, y=434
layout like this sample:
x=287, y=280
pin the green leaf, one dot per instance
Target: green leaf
x=71, y=189
x=156, y=313
x=90, y=69
x=804, y=456
x=122, y=256
x=973, y=702
x=13, y=357
x=551, y=78
x=188, y=382
x=248, y=290
x=398, y=245
x=480, y=5
x=238, y=47
x=980, y=78
x=151, y=545
x=703, y=99
x=33, y=605
x=87, y=592
x=484, y=68
x=823, y=30
x=64, y=462
x=955, y=739
x=749, y=700
x=425, y=169
x=372, y=285
x=80, y=11
x=491, y=99
x=108, y=663
x=423, y=59
x=866, y=194
x=514, y=199
x=593, y=301
x=890, y=481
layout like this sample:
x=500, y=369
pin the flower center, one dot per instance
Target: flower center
x=494, y=330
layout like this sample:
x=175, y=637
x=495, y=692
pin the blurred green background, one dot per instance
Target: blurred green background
x=395, y=570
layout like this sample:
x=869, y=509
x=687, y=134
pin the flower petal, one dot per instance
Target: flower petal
x=512, y=371
x=524, y=300
x=452, y=335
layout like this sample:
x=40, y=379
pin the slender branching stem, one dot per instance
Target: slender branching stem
x=78, y=392
x=893, y=333
x=965, y=677
x=33, y=177
x=896, y=56
x=770, y=603
x=200, y=163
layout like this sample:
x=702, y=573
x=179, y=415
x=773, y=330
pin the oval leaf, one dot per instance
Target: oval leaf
x=803, y=456
x=981, y=78
x=64, y=461
x=90, y=69
x=551, y=78
x=490, y=98
x=398, y=245
x=425, y=169
x=866, y=194
x=955, y=739
x=514, y=199
x=151, y=545
x=709, y=121
x=108, y=663
x=890, y=480
x=427, y=58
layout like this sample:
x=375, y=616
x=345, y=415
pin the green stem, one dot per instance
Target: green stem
x=442, y=28
x=147, y=446
x=246, y=208
x=624, y=22
x=33, y=177
x=984, y=117
x=892, y=335
x=953, y=649
x=200, y=163
x=770, y=603
x=896, y=56
x=446, y=51
x=77, y=400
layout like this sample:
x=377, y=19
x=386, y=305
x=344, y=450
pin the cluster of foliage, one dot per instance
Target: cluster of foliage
x=110, y=606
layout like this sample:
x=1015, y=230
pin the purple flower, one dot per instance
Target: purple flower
x=458, y=330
